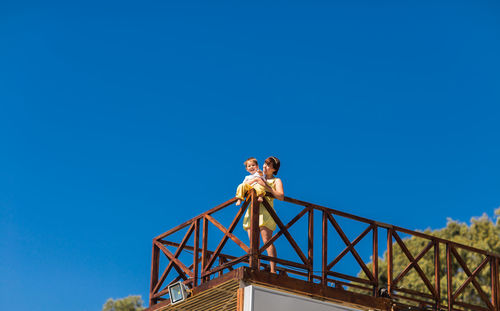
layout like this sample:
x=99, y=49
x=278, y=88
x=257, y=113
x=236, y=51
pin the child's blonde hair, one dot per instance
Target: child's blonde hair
x=251, y=159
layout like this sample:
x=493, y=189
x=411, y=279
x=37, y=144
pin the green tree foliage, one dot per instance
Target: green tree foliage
x=482, y=233
x=130, y=303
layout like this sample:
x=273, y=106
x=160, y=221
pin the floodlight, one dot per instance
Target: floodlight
x=178, y=292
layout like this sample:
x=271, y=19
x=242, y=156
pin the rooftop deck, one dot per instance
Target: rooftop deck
x=322, y=260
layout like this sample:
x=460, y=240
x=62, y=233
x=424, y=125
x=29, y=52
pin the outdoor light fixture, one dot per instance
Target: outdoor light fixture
x=178, y=292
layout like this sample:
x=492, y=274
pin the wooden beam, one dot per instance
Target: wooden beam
x=281, y=232
x=285, y=232
x=310, y=245
x=155, y=264
x=480, y=291
x=449, y=277
x=196, y=251
x=349, y=247
x=222, y=243
x=389, y=261
x=375, y=260
x=437, y=275
x=352, y=250
x=177, y=262
x=413, y=263
x=324, y=254
x=254, y=231
x=176, y=254
x=416, y=265
x=470, y=278
x=228, y=233
x=204, y=251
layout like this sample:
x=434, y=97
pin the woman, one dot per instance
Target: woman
x=267, y=224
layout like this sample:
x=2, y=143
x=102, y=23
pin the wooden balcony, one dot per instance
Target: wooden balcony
x=198, y=253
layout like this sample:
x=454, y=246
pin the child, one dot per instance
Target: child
x=252, y=167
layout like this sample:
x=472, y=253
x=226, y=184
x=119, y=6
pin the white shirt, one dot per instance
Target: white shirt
x=254, y=175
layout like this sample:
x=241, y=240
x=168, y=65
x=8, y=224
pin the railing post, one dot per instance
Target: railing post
x=494, y=282
x=375, y=260
x=389, y=260
x=196, y=251
x=310, y=245
x=155, y=265
x=204, y=254
x=449, y=277
x=437, y=275
x=324, y=250
x=254, y=231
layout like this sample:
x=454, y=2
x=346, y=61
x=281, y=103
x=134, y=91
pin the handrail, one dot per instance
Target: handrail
x=203, y=265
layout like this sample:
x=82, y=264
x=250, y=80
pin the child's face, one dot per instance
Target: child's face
x=252, y=167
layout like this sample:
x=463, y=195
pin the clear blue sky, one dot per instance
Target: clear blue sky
x=122, y=119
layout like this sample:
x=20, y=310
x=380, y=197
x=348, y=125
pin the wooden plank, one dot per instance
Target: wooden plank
x=437, y=275
x=470, y=277
x=413, y=292
x=351, y=285
x=449, y=277
x=226, y=265
x=285, y=262
x=389, y=261
x=469, y=306
x=281, y=232
x=416, y=265
x=329, y=210
x=196, y=251
x=211, y=211
x=228, y=233
x=349, y=247
x=204, y=241
x=454, y=244
x=155, y=264
x=398, y=297
x=388, y=226
x=413, y=263
x=353, y=251
x=494, y=282
x=175, y=229
x=254, y=231
x=310, y=244
x=462, y=263
x=324, y=253
x=222, y=243
x=349, y=277
x=177, y=262
x=176, y=254
x=191, y=248
x=375, y=260
x=285, y=232
x=219, y=207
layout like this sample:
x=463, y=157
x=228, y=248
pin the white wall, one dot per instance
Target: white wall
x=264, y=299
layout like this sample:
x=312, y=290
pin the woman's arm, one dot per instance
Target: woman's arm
x=278, y=193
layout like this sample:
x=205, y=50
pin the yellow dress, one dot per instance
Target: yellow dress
x=243, y=189
x=265, y=219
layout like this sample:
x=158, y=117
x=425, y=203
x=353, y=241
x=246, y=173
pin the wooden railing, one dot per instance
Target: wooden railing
x=196, y=264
